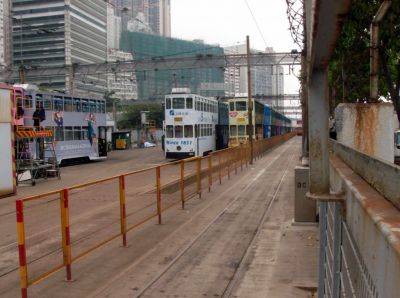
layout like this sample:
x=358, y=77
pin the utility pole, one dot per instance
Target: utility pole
x=249, y=101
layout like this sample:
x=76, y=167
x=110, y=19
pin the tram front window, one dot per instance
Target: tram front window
x=233, y=130
x=178, y=131
x=170, y=131
x=188, y=131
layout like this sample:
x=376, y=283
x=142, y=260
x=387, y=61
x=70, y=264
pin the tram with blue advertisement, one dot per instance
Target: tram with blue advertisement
x=239, y=121
x=190, y=124
x=267, y=122
x=78, y=124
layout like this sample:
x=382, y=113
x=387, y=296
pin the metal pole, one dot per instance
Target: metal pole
x=122, y=208
x=22, y=248
x=66, y=233
x=158, y=183
x=319, y=132
x=183, y=183
x=249, y=101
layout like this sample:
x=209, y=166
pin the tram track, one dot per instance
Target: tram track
x=241, y=266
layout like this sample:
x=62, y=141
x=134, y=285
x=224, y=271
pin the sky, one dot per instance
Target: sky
x=228, y=22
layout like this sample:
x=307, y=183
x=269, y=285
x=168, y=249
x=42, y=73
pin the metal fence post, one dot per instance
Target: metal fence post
x=122, y=204
x=183, y=183
x=209, y=171
x=199, y=176
x=337, y=242
x=158, y=183
x=22, y=248
x=219, y=168
x=322, y=248
x=64, y=204
x=229, y=164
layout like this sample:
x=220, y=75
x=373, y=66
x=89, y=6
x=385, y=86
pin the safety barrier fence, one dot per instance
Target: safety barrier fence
x=109, y=208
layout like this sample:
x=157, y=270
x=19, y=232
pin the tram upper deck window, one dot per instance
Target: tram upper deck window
x=197, y=105
x=68, y=104
x=47, y=102
x=231, y=106
x=241, y=106
x=189, y=103
x=170, y=131
x=103, y=106
x=77, y=105
x=92, y=104
x=85, y=106
x=178, y=103
x=168, y=103
x=58, y=103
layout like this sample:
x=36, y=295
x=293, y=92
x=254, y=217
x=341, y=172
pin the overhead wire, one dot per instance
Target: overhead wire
x=256, y=23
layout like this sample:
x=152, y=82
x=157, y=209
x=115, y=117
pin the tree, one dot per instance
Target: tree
x=349, y=67
x=130, y=119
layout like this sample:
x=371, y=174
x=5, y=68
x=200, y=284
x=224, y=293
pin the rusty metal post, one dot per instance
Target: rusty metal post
x=65, y=231
x=183, y=183
x=219, y=168
x=241, y=157
x=236, y=159
x=229, y=163
x=122, y=207
x=22, y=248
x=158, y=184
x=209, y=171
x=199, y=176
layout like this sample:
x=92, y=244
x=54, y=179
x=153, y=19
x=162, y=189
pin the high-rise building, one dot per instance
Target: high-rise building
x=122, y=83
x=58, y=33
x=149, y=16
x=266, y=80
x=114, y=28
x=160, y=17
x=5, y=33
x=154, y=84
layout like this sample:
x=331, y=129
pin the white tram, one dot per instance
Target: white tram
x=190, y=122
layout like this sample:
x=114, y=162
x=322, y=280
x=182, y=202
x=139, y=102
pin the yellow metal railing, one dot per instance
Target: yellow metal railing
x=175, y=183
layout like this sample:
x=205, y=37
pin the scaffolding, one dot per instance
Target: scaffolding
x=35, y=155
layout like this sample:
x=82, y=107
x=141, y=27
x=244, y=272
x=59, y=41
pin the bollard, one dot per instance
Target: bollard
x=158, y=181
x=241, y=157
x=183, y=183
x=235, y=155
x=122, y=207
x=22, y=248
x=199, y=176
x=209, y=171
x=66, y=238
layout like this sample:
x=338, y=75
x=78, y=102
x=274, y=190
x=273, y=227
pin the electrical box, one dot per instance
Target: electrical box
x=305, y=210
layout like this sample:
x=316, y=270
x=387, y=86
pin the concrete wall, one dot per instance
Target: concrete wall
x=368, y=128
x=373, y=224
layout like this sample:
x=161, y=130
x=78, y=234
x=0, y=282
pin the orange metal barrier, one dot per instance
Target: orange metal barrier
x=134, y=204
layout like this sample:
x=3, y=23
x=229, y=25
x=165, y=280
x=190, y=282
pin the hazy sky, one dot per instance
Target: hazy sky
x=227, y=22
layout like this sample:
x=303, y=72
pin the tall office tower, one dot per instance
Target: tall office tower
x=58, y=33
x=160, y=17
x=5, y=33
x=132, y=11
x=114, y=28
x=236, y=78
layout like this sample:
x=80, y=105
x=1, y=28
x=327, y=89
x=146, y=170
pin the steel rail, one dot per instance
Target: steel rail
x=199, y=235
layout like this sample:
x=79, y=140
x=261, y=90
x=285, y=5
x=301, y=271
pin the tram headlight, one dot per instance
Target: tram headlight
x=179, y=148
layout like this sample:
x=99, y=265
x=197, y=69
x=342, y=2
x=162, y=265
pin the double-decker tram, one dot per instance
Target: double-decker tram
x=190, y=124
x=77, y=124
x=239, y=121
